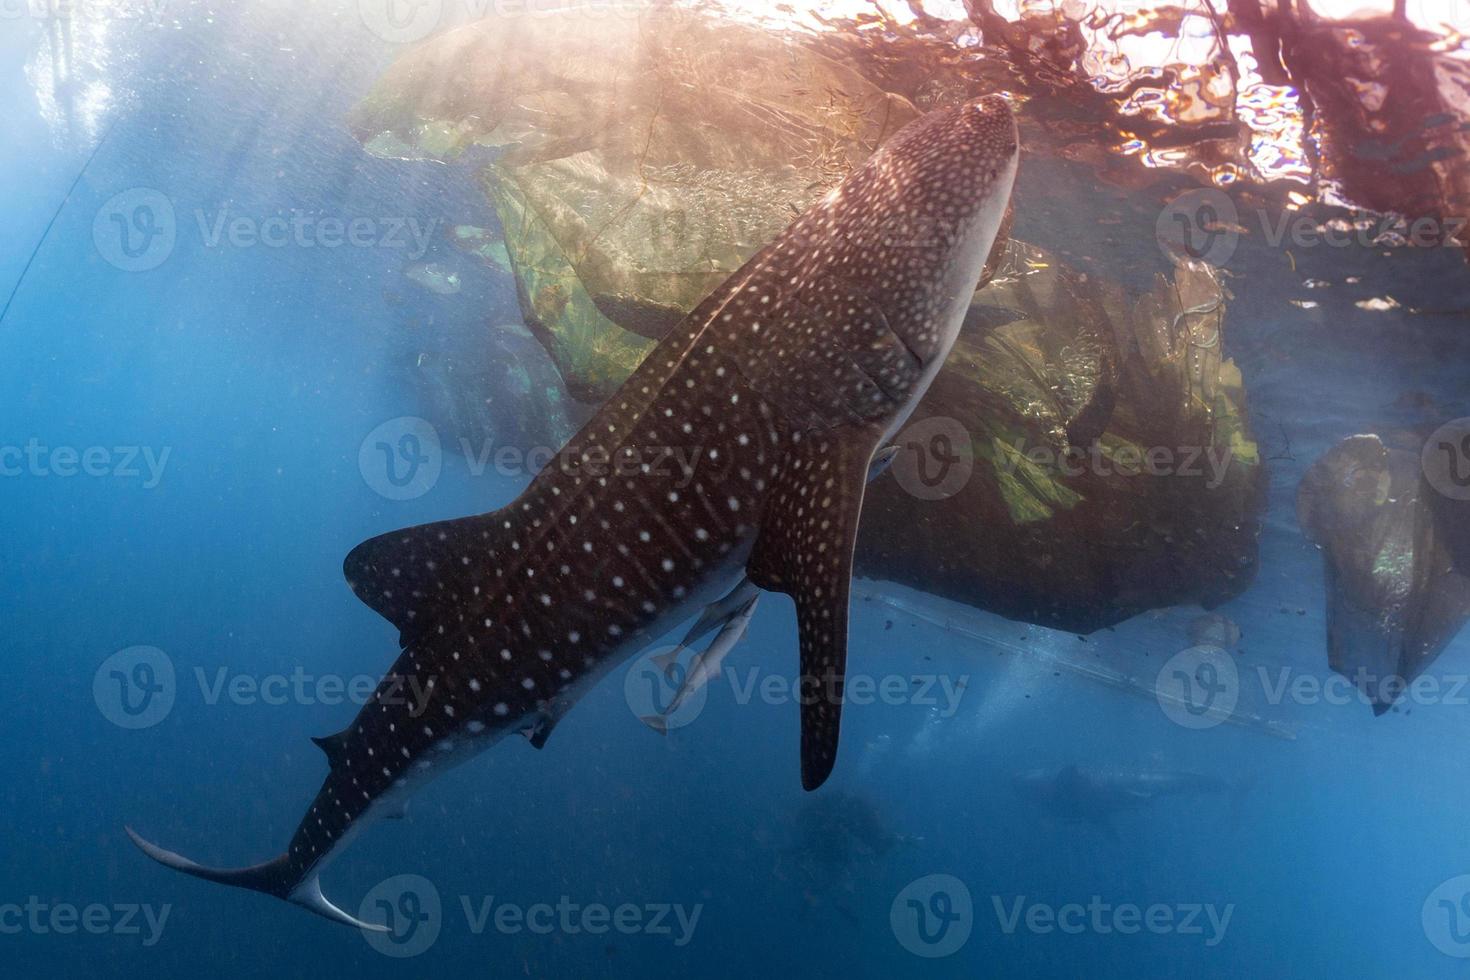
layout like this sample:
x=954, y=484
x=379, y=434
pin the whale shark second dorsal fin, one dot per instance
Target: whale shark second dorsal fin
x=418, y=577
x=332, y=745
x=805, y=550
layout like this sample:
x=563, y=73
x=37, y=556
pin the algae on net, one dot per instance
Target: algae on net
x=643, y=158
x=1113, y=468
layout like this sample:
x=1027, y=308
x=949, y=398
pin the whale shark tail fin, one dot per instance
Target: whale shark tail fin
x=273, y=877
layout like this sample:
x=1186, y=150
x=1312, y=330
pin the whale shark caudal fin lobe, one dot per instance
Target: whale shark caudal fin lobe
x=274, y=877
x=805, y=550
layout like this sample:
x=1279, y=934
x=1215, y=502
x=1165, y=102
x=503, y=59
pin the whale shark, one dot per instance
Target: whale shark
x=1096, y=796
x=777, y=391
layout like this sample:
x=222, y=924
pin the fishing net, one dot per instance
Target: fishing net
x=640, y=161
x=1396, y=593
x=643, y=158
x=1109, y=468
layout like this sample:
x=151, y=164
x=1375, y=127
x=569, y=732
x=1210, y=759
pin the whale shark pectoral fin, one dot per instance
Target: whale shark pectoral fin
x=805, y=550
x=538, y=731
x=544, y=722
x=309, y=896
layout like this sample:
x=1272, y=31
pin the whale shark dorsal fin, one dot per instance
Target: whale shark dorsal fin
x=417, y=576
x=805, y=550
x=333, y=746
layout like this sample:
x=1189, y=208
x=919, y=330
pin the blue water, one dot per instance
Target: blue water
x=259, y=371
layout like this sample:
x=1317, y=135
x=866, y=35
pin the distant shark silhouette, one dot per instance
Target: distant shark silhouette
x=784, y=382
x=1096, y=796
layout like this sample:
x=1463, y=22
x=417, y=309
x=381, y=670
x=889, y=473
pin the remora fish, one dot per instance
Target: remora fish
x=732, y=614
x=781, y=384
x=705, y=667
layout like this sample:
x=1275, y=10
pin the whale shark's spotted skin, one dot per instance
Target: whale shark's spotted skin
x=779, y=387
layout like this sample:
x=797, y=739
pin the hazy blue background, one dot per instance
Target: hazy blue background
x=261, y=371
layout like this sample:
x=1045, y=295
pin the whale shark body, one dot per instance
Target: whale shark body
x=780, y=386
x=1096, y=796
